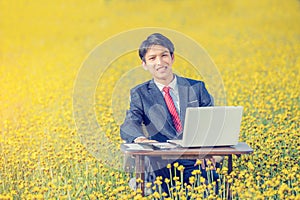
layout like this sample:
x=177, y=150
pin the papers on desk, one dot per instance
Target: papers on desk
x=164, y=145
x=149, y=146
x=138, y=147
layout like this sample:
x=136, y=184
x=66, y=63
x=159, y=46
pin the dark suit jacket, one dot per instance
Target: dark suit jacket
x=148, y=109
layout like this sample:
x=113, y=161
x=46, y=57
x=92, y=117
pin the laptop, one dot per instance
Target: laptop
x=211, y=126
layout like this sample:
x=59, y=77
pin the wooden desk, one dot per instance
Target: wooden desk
x=182, y=153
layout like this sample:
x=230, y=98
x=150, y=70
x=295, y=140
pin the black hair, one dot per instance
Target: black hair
x=155, y=39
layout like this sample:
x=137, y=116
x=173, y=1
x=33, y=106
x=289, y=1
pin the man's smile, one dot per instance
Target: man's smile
x=162, y=68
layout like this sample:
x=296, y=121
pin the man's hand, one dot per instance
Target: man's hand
x=144, y=140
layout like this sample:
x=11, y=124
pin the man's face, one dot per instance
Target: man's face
x=159, y=61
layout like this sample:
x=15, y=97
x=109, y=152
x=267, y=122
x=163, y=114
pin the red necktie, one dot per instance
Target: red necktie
x=172, y=109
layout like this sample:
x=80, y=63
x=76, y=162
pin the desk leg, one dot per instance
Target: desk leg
x=140, y=172
x=229, y=164
x=229, y=171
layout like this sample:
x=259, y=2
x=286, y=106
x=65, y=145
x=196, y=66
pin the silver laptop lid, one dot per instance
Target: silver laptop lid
x=212, y=126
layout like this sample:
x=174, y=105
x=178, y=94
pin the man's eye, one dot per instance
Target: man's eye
x=152, y=58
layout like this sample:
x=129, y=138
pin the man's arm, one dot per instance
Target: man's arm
x=131, y=130
x=205, y=98
x=132, y=125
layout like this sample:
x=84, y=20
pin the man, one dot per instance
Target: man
x=157, y=107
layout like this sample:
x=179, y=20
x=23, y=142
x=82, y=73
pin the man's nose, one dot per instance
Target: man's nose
x=158, y=61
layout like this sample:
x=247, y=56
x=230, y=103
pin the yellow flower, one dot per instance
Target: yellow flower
x=191, y=179
x=176, y=164
x=148, y=184
x=164, y=194
x=208, y=162
x=167, y=181
x=181, y=168
x=139, y=180
x=195, y=172
x=158, y=181
x=198, y=162
x=156, y=195
x=138, y=190
x=202, y=180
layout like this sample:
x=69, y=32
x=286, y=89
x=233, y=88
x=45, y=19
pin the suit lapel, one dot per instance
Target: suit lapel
x=156, y=94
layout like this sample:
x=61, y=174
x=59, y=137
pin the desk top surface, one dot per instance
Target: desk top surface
x=240, y=148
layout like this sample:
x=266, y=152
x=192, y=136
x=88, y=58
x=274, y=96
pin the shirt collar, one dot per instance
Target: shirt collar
x=172, y=85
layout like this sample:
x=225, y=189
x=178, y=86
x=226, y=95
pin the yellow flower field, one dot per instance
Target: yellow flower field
x=254, y=44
